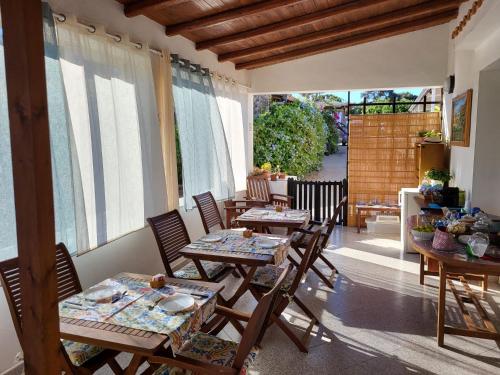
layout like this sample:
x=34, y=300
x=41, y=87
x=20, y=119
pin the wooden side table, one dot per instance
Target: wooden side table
x=373, y=208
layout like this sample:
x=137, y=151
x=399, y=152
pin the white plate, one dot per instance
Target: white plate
x=212, y=238
x=99, y=294
x=176, y=303
x=268, y=244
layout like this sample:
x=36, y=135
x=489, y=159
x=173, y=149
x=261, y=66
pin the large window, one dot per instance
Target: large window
x=107, y=164
x=206, y=163
x=114, y=121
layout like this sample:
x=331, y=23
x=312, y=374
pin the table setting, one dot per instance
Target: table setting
x=174, y=308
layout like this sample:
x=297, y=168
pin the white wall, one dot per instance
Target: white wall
x=476, y=48
x=135, y=252
x=487, y=153
x=416, y=59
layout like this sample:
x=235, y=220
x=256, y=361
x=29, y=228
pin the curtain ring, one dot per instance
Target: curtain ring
x=60, y=17
x=91, y=29
x=138, y=45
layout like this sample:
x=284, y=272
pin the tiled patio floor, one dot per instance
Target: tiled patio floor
x=378, y=320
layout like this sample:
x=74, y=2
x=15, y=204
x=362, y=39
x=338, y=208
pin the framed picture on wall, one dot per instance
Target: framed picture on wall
x=460, y=119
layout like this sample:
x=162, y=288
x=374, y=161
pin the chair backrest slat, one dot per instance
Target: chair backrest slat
x=257, y=321
x=209, y=212
x=171, y=236
x=258, y=188
x=68, y=282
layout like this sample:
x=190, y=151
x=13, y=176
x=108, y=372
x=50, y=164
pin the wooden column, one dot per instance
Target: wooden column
x=29, y=131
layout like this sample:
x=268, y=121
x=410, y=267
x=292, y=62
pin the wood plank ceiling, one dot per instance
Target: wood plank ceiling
x=256, y=33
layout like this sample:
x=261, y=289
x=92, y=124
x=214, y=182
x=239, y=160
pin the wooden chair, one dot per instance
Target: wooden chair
x=207, y=354
x=264, y=279
x=302, y=237
x=258, y=189
x=209, y=212
x=77, y=358
x=171, y=236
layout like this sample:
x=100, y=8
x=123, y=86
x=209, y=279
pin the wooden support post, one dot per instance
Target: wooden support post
x=31, y=165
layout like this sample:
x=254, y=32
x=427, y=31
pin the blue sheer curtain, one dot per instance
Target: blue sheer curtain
x=63, y=167
x=206, y=164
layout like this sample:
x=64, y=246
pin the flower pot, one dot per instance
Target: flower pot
x=265, y=174
x=282, y=175
x=274, y=177
x=434, y=139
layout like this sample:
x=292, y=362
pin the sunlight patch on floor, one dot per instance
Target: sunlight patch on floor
x=383, y=242
x=381, y=260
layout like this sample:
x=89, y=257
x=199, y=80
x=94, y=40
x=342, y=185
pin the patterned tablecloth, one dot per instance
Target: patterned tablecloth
x=138, y=310
x=232, y=241
x=270, y=214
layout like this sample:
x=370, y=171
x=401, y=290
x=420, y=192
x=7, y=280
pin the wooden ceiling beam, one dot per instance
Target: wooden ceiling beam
x=227, y=15
x=337, y=31
x=289, y=23
x=139, y=7
x=402, y=28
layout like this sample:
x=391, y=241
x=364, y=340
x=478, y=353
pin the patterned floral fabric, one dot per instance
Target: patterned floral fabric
x=138, y=315
x=270, y=214
x=268, y=275
x=190, y=271
x=233, y=242
x=78, y=352
x=208, y=349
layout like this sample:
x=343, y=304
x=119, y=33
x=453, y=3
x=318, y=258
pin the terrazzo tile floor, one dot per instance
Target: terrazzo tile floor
x=377, y=320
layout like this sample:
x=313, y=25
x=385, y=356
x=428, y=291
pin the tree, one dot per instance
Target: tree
x=291, y=135
x=388, y=95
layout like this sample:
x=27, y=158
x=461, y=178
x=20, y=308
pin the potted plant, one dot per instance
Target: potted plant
x=432, y=136
x=281, y=175
x=266, y=169
x=438, y=177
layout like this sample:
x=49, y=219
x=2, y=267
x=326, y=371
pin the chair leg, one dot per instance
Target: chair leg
x=115, y=367
x=291, y=335
x=328, y=263
x=293, y=261
x=304, y=308
x=327, y=281
x=236, y=274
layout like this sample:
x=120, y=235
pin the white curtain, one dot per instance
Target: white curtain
x=232, y=99
x=112, y=107
x=206, y=164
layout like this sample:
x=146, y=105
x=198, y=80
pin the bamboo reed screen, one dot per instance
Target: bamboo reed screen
x=382, y=155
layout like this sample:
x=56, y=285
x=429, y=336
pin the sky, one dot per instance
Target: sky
x=356, y=95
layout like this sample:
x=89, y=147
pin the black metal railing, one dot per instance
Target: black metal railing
x=319, y=197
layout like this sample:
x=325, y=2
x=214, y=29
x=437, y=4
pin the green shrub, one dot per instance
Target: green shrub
x=332, y=134
x=292, y=136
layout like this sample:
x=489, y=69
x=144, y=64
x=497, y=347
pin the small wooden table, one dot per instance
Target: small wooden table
x=376, y=208
x=240, y=255
x=458, y=266
x=261, y=217
x=141, y=343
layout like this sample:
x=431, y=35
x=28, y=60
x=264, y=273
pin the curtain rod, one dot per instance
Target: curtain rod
x=60, y=17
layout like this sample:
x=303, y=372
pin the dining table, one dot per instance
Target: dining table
x=264, y=217
x=135, y=321
x=456, y=266
x=247, y=254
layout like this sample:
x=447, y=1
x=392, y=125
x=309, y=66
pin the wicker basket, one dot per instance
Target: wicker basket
x=443, y=241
